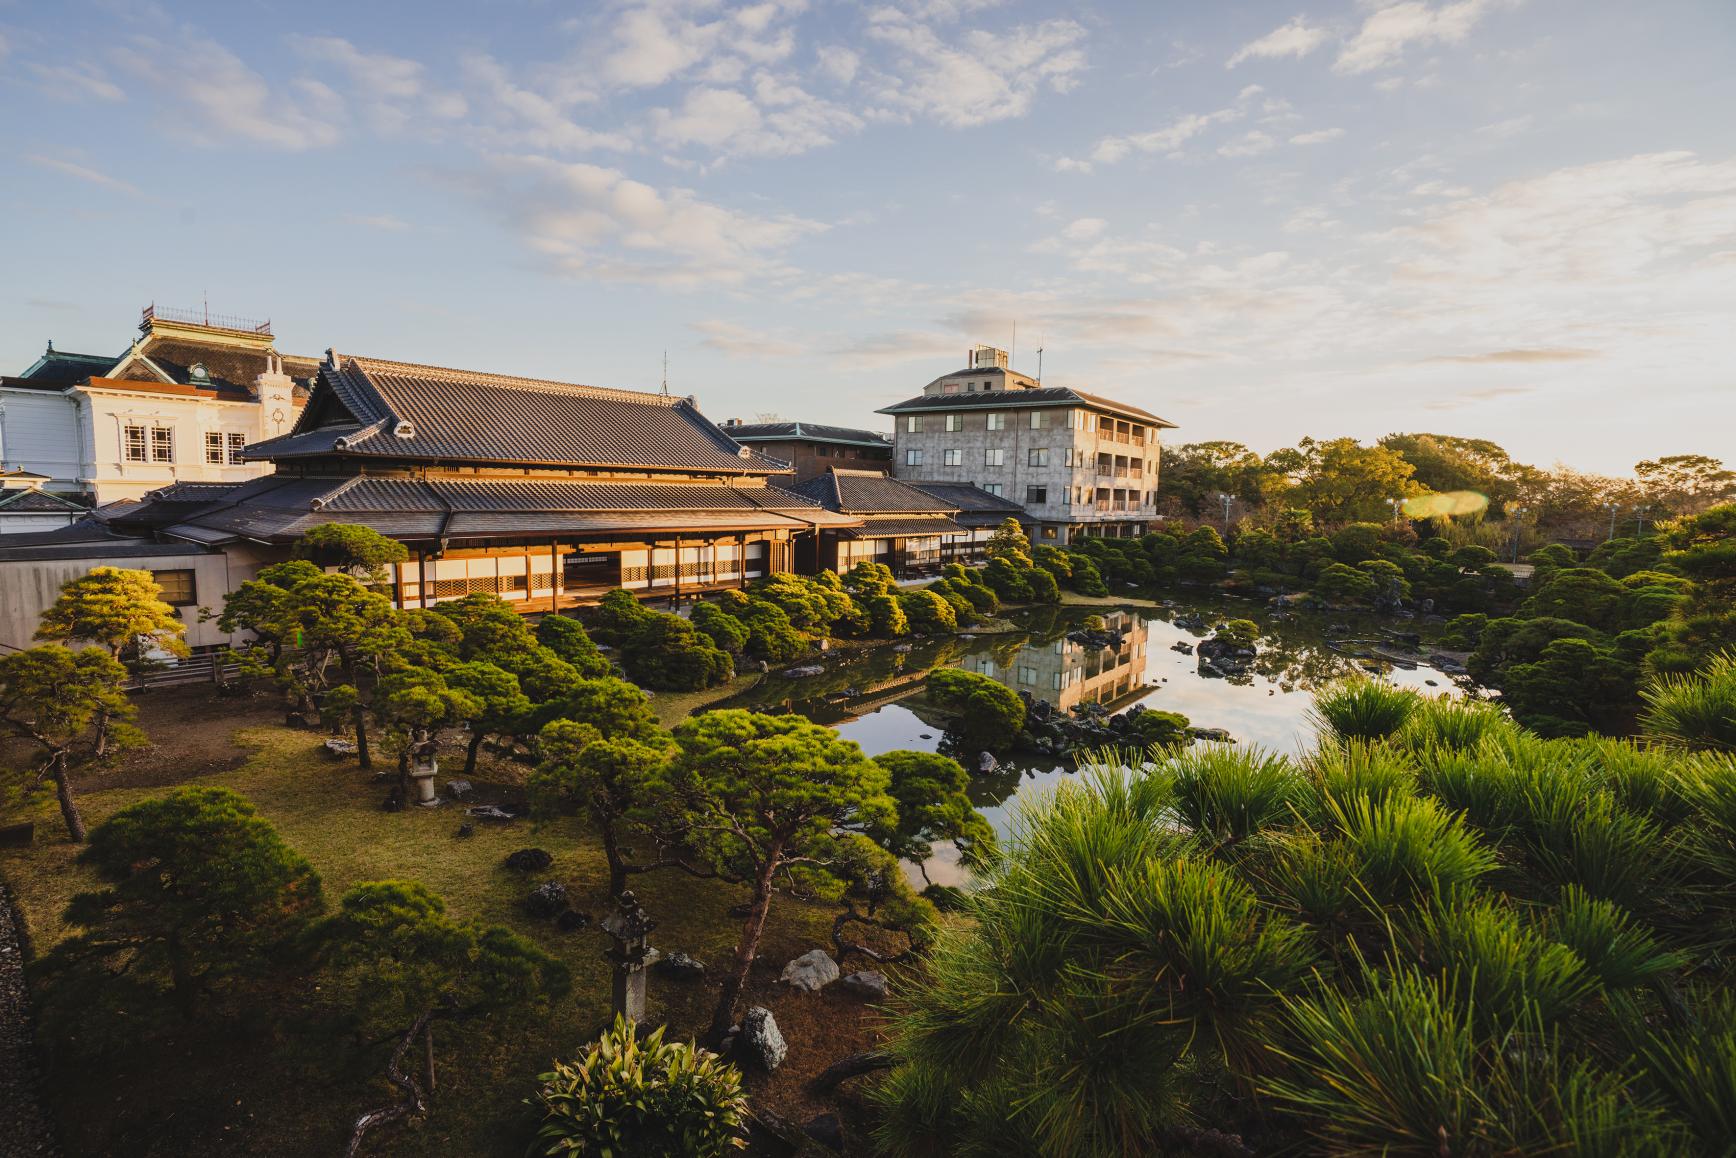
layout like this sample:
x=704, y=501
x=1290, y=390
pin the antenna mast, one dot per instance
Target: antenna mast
x=1039, y=365
x=1013, y=353
x=666, y=372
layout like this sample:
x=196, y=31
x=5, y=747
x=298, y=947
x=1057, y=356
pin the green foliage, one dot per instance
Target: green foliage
x=722, y=628
x=1238, y=632
x=640, y=1096
x=618, y=618
x=666, y=652
x=70, y=706
x=1363, y=709
x=1155, y=729
x=199, y=889
x=360, y=552
x=1010, y=580
x=1694, y=711
x=1044, y=588
x=770, y=635
x=929, y=791
x=1703, y=548
x=886, y=618
x=1010, y=544
x=567, y=639
x=927, y=613
x=987, y=714
x=119, y=610
x=1225, y=795
x=1085, y=578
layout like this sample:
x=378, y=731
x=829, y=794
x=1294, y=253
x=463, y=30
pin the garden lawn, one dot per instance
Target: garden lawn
x=274, y=1086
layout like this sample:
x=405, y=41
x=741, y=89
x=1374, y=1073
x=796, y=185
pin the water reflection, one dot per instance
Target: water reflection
x=874, y=696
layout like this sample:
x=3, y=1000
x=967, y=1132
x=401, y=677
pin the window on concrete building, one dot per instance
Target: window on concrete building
x=995, y=456
x=996, y=421
x=953, y=457
x=1048, y=532
x=135, y=444
x=913, y=458
x=237, y=443
x=214, y=447
x=992, y=488
x=1039, y=456
x=1036, y=420
x=913, y=423
x=162, y=444
x=179, y=590
x=1036, y=496
x=955, y=422
x=949, y=387
x=1027, y=675
x=821, y=450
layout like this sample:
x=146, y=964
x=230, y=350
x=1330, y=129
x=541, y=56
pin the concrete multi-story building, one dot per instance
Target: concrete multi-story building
x=812, y=449
x=177, y=406
x=1079, y=464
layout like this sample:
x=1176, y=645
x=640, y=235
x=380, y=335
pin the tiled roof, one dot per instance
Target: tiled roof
x=805, y=432
x=63, y=368
x=965, y=496
x=35, y=501
x=860, y=492
x=1005, y=399
x=901, y=528
x=86, y=539
x=399, y=410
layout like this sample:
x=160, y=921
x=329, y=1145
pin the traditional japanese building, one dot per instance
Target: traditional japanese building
x=890, y=522
x=977, y=513
x=813, y=449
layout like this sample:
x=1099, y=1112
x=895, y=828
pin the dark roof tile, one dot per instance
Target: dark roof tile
x=1004, y=399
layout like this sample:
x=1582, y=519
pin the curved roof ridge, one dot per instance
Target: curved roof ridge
x=423, y=369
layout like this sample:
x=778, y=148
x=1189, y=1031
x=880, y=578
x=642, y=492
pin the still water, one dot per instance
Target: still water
x=874, y=696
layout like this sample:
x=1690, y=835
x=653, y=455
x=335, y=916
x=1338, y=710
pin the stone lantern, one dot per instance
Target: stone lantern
x=424, y=766
x=630, y=955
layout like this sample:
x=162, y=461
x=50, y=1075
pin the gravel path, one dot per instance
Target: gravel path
x=23, y=1128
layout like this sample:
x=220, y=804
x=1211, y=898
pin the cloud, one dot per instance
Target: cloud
x=381, y=221
x=779, y=119
x=210, y=97
x=651, y=44
x=597, y=222
x=838, y=64
x=1247, y=145
x=1317, y=137
x=1297, y=39
x=75, y=82
x=85, y=173
x=1389, y=30
x=1507, y=129
x=892, y=347
x=523, y=118
x=741, y=342
x=1516, y=357
x=1171, y=137
x=983, y=77
x=393, y=91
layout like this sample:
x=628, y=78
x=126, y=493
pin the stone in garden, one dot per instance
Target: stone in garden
x=468, y=828
x=759, y=1041
x=811, y=972
x=1211, y=735
x=459, y=789
x=492, y=812
x=571, y=921
x=547, y=900
x=338, y=748
x=869, y=985
x=827, y=1130
x=393, y=802
x=680, y=967
x=1184, y=648
x=986, y=763
x=529, y=860
x=804, y=671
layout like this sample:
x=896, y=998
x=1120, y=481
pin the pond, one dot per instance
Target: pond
x=874, y=695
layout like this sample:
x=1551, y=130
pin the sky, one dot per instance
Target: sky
x=1511, y=219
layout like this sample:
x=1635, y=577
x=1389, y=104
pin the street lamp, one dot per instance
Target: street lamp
x=1397, y=506
x=1612, y=508
x=1226, y=499
x=1518, y=525
x=1639, y=517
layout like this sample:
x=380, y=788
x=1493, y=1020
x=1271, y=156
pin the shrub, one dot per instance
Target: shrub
x=1009, y=580
x=927, y=613
x=1086, y=579
x=640, y=1096
x=1239, y=632
x=618, y=618
x=722, y=628
x=1363, y=709
x=989, y=715
x=1154, y=729
x=1044, y=589
x=885, y=614
x=669, y=654
x=1694, y=711
x=569, y=640
x=770, y=634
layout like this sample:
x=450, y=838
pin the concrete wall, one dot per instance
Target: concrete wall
x=28, y=588
x=39, y=431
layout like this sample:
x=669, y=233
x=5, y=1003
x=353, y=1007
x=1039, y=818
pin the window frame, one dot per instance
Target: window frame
x=192, y=577
x=132, y=451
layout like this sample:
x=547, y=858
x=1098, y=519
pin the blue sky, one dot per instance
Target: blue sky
x=1504, y=218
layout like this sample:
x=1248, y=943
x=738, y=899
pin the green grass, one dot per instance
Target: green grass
x=281, y=1091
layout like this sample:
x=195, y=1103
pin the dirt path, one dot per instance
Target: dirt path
x=24, y=1129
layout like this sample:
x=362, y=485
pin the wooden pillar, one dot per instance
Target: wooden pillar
x=554, y=576
x=741, y=560
x=677, y=570
x=422, y=576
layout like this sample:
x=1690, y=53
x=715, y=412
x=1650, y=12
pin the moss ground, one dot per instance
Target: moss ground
x=265, y=1084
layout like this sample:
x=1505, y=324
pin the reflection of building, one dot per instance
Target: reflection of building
x=812, y=449
x=1066, y=673
x=1079, y=464
x=177, y=406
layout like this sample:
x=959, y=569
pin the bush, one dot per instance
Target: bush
x=633, y=1096
x=669, y=654
x=569, y=641
x=885, y=614
x=1239, y=632
x=1009, y=580
x=719, y=626
x=1044, y=589
x=770, y=634
x=928, y=613
x=1694, y=711
x=989, y=715
x=1086, y=579
x=1363, y=709
x=618, y=618
x=1154, y=729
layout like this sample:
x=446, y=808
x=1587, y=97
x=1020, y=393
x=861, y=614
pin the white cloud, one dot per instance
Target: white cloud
x=211, y=97
x=1389, y=30
x=384, y=222
x=1297, y=38
x=1071, y=165
x=1247, y=145
x=840, y=64
x=744, y=342
x=1165, y=140
x=75, y=82
x=85, y=173
x=983, y=77
x=1084, y=228
x=1507, y=129
x=1316, y=137
x=521, y=117
x=779, y=119
x=651, y=44
x=392, y=91
x=596, y=221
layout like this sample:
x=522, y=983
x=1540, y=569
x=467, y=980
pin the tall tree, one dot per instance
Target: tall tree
x=763, y=795
x=1445, y=462
x=118, y=610
x=200, y=887
x=68, y=704
x=1685, y=484
x=359, y=552
x=614, y=780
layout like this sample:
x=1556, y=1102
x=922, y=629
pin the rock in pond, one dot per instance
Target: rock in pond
x=811, y=972
x=804, y=671
x=759, y=1041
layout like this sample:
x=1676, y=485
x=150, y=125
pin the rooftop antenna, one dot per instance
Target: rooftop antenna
x=666, y=372
x=1013, y=352
x=1039, y=364
x=205, y=297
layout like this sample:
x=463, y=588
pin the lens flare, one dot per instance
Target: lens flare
x=1445, y=505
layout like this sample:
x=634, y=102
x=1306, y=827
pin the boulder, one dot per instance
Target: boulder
x=804, y=671
x=869, y=985
x=827, y=1130
x=338, y=748
x=1212, y=735
x=491, y=812
x=459, y=789
x=1184, y=648
x=529, y=860
x=548, y=899
x=986, y=763
x=812, y=971
x=680, y=967
x=759, y=1041
x=571, y=921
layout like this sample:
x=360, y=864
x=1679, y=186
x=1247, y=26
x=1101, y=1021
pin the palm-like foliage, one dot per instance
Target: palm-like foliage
x=1696, y=712
x=1436, y=935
